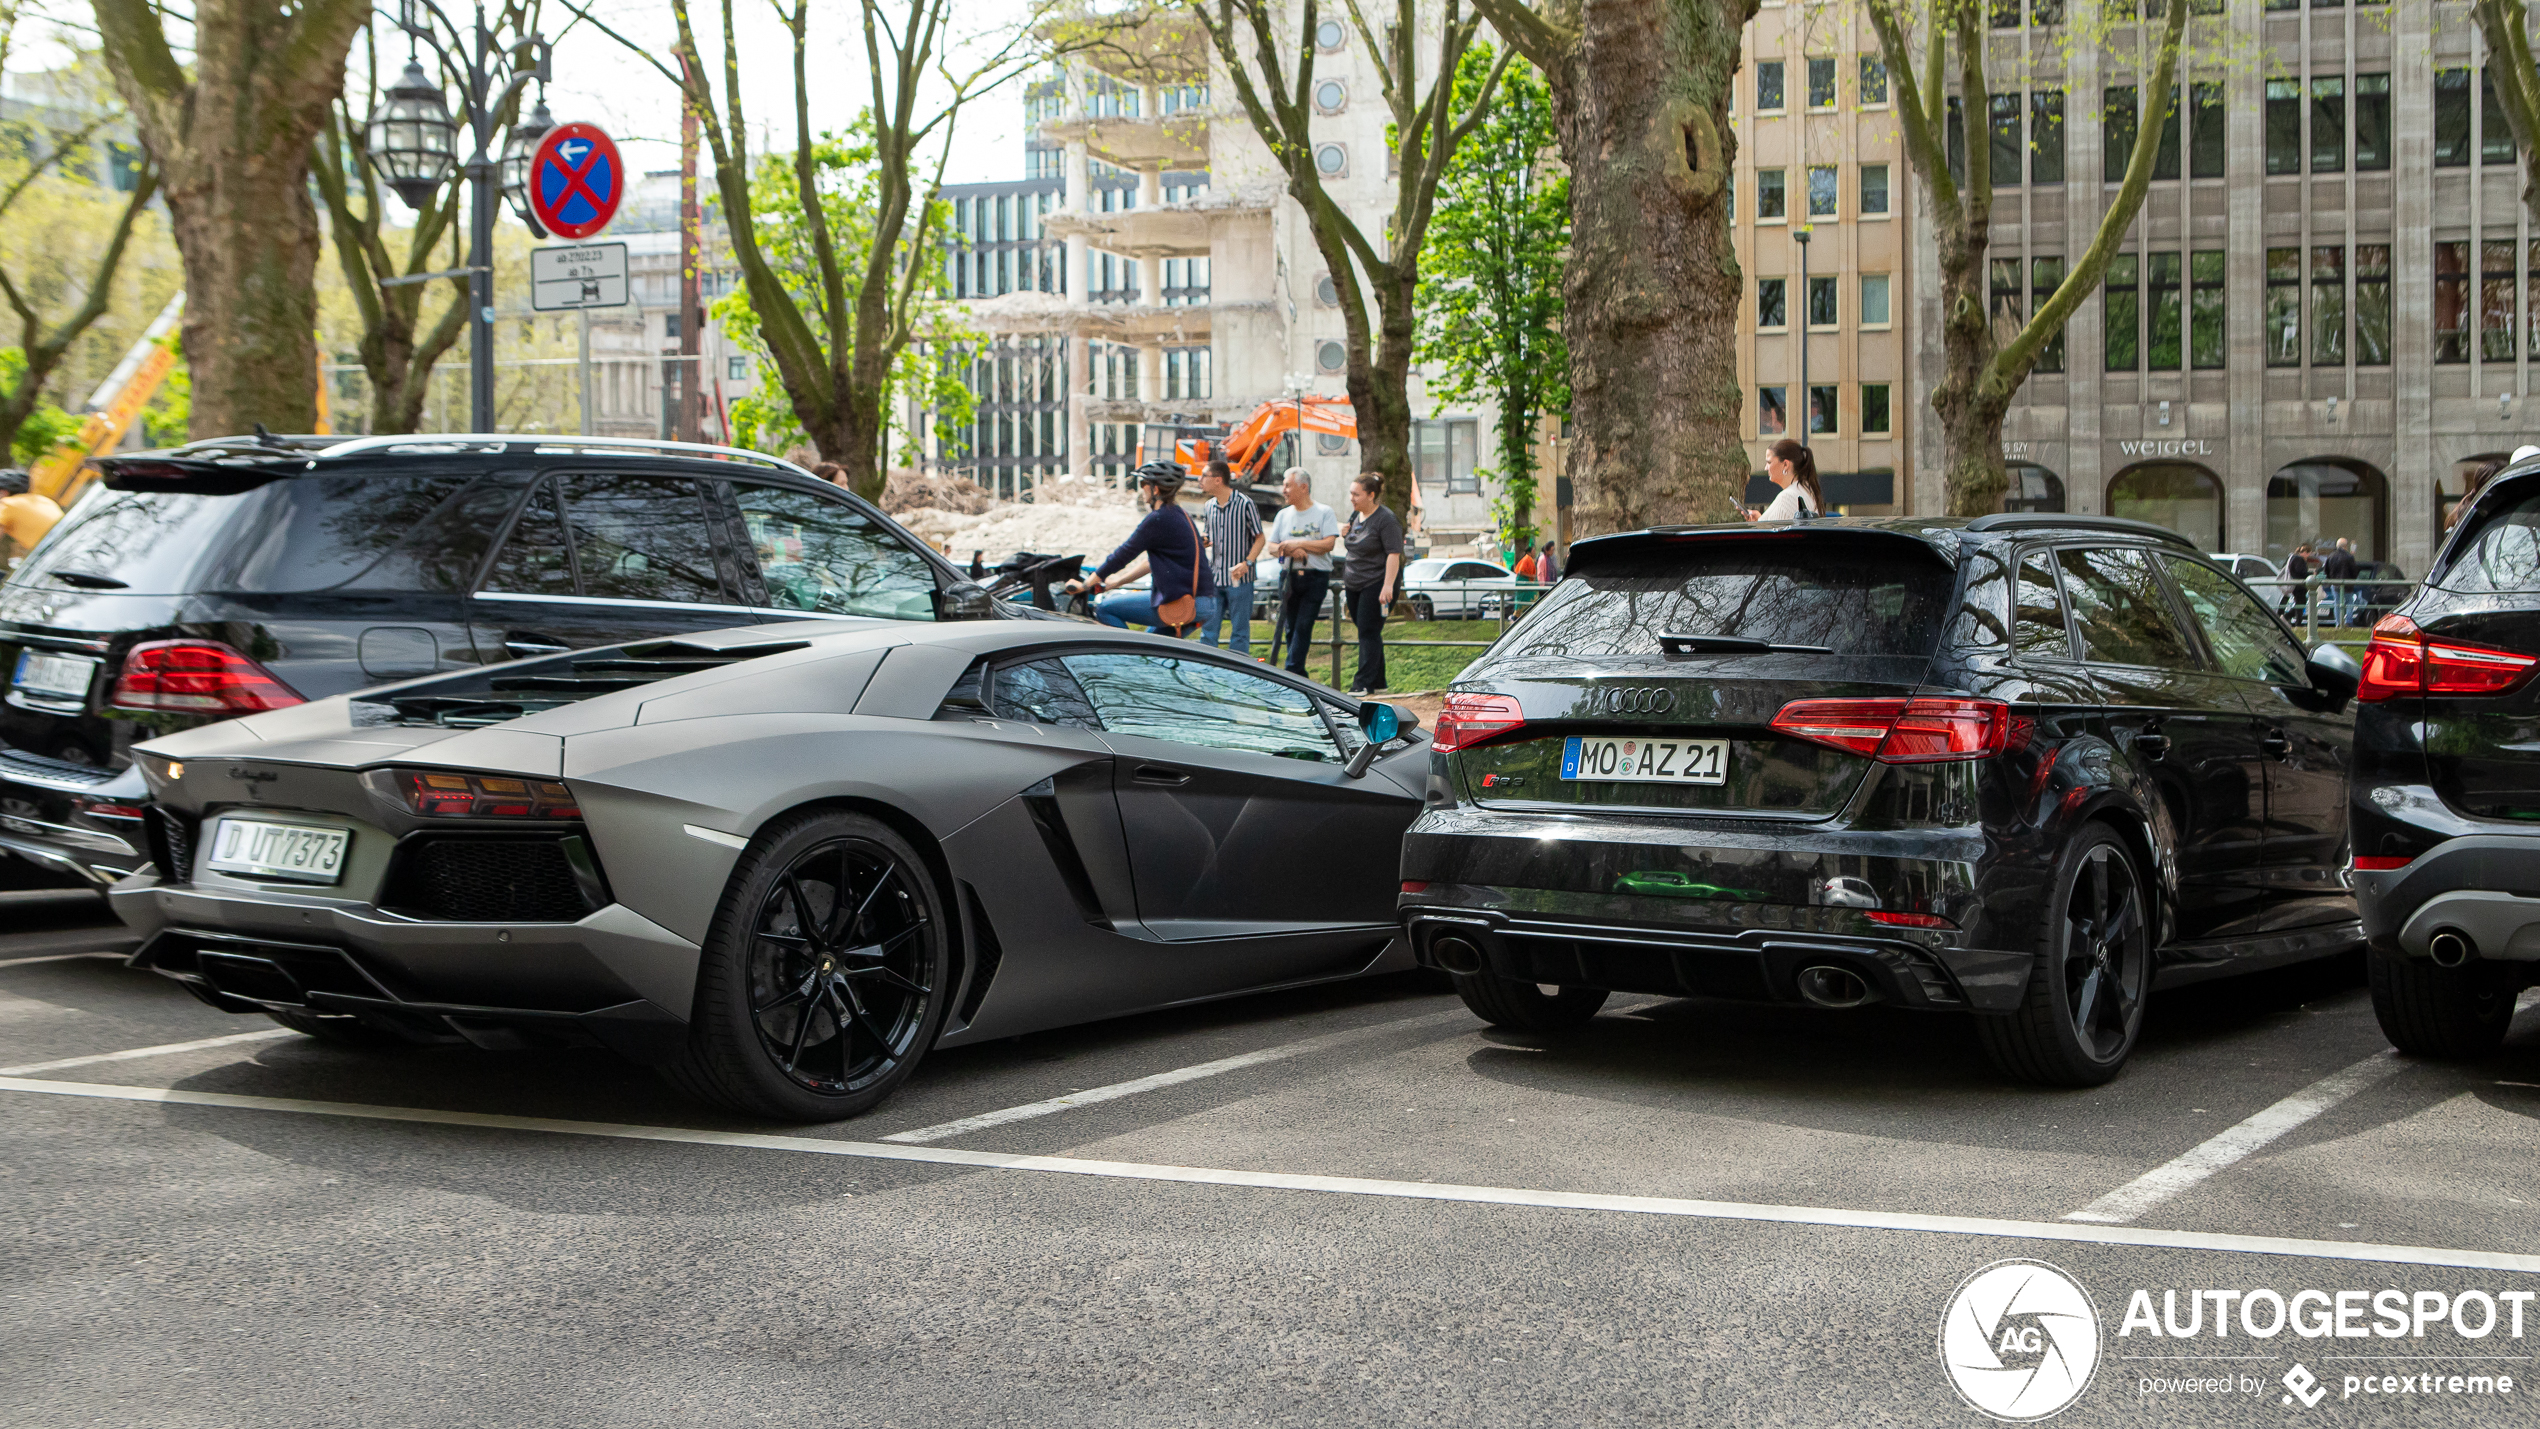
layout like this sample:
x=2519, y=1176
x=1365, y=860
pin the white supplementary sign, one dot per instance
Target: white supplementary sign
x=585, y=275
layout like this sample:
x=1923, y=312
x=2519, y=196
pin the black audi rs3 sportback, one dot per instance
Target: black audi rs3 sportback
x=2446, y=793
x=2029, y=767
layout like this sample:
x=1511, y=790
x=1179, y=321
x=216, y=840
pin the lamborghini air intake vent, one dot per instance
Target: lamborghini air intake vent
x=171, y=837
x=493, y=880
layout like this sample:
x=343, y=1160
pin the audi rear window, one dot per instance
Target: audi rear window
x=1852, y=596
x=2502, y=550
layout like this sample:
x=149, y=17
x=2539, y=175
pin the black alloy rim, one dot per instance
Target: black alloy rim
x=840, y=966
x=2106, y=952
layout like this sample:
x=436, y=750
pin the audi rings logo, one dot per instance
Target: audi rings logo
x=1632, y=700
x=2020, y=1340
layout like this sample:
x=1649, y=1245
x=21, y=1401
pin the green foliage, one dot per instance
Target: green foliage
x=171, y=411
x=46, y=425
x=849, y=188
x=1490, y=295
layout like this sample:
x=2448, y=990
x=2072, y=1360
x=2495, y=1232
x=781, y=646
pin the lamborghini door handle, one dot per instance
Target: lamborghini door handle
x=2152, y=744
x=1159, y=774
x=521, y=644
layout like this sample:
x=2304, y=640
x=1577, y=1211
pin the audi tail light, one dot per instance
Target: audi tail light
x=442, y=794
x=2381, y=863
x=1927, y=730
x=197, y=677
x=1908, y=920
x=2403, y=660
x=1467, y=720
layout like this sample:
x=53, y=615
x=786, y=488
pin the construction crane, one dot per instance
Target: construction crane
x=60, y=476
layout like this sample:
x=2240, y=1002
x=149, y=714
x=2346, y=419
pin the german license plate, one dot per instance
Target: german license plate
x=1645, y=761
x=59, y=677
x=303, y=853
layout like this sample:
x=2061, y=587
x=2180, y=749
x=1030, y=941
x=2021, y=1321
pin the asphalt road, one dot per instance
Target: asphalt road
x=1411, y=1220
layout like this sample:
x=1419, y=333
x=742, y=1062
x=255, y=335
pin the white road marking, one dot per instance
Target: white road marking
x=137, y=1053
x=1339, y=1185
x=58, y=958
x=1178, y=1075
x=2162, y=1182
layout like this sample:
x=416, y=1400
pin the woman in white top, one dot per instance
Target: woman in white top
x=1793, y=468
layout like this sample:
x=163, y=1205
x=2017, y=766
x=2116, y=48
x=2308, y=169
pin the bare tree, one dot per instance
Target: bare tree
x=1641, y=92
x=231, y=134
x=1275, y=86
x=2506, y=26
x=1982, y=368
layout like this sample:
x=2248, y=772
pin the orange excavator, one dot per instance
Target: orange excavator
x=1249, y=445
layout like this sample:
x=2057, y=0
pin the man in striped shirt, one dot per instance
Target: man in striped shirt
x=1233, y=526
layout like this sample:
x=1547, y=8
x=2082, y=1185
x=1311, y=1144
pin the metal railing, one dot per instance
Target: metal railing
x=1504, y=612
x=2352, y=604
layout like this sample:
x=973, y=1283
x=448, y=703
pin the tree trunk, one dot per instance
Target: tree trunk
x=1383, y=404
x=1654, y=283
x=1972, y=398
x=249, y=238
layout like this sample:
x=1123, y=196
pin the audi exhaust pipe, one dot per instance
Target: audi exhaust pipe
x=1456, y=955
x=2451, y=949
x=1840, y=988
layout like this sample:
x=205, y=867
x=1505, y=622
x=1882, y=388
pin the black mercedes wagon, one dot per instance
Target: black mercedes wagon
x=230, y=577
x=2029, y=767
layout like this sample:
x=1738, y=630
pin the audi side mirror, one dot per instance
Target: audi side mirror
x=2333, y=672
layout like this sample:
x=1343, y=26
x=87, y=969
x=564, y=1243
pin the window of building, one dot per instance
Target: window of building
x=1873, y=80
x=1332, y=160
x=2534, y=329
x=2045, y=275
x=2205, y=309
x=2451, y=302
x=2120, y=303
x=2005, y=129
x=2046, y=136
x=736, y=369
x=2372, y=305
x=2009, y=304
x=1772, y=411
x=2163, y=348
x=2046, y=12
x=1821, y=83
x=1768, y=86
x=2328, y=124
x=2005, y=14
x=2284, y=126
x=1331, y=96
x=1186, y=373
x=2165, y=158
x=2284, y=307
x=2496, y=300
x=2183, y=496
x=1446, y=451
x=2495, y=138
x=1823, y=309
x=1331, y=356
x=2328, y=306
x=1873, y=189
x=1771, y=205
x=1874, y=413
x=2205, y=131
x=1955, y=126
x=1824, y=407
x=1330, y=36
x=1874, y=295
x=2372, y=123
x=1772, y=303
x=1823, y=189
x=2451, y=118
x=2117, y=127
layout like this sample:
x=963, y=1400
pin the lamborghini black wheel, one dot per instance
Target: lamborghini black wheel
x=824, y=979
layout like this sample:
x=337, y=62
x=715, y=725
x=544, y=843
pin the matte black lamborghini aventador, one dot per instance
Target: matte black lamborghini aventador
x=781, y=864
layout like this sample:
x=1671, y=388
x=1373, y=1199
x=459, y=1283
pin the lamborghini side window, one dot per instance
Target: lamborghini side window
x=822, y=555
x=1042, y=692
x=535, y=559
x=1203, y=703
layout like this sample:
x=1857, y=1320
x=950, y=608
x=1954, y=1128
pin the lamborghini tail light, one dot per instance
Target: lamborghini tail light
x=445, y=794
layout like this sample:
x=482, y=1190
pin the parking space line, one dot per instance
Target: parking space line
x=137, y=1053
x=58, y=958
x=2067, y=1231
x=1178, y=1075
x=2162, y=1182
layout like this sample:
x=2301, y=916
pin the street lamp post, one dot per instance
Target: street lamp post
x=413, y=143
x=1807, y=409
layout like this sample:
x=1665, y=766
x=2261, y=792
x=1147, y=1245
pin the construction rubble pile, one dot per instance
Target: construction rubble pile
x=1067, y=515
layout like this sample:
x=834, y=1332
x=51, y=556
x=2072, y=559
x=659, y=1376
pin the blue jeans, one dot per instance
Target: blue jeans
x=1235, y=606
x=1121, y=609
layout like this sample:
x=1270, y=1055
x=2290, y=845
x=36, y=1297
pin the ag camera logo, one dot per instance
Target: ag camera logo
x=2020, y=1340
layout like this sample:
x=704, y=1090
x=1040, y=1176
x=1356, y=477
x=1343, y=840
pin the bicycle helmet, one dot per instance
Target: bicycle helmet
x=1165, y=474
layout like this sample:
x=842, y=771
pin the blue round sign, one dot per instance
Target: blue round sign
x=575, y=180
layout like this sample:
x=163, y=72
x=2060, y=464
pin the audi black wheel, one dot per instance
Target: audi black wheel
x=824, y=978
x=2084, y=1006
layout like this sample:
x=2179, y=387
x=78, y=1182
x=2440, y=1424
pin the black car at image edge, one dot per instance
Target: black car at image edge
x=2028, y=766
x=230, y=577
x=2446, y=793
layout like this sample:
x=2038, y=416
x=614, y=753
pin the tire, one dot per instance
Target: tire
x=2083, y=1011
x=1524, y=1006
x=1422, y=608
x=819, y=1017
x=2449, y=1014
x=338, y=1031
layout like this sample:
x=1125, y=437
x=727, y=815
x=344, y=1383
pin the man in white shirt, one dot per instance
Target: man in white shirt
x=1302, y=538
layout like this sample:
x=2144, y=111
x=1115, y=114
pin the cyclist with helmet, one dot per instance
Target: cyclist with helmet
x=1166, y=545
